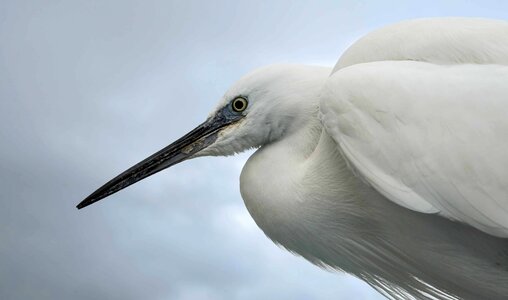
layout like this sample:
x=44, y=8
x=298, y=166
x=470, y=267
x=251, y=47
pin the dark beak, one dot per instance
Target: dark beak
x=182, y=149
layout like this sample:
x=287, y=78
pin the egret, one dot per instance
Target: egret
x=392, y=166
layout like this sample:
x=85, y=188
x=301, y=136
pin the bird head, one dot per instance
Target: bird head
x=260, y=108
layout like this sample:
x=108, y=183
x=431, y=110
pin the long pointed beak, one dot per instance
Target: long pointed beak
x=185, y=147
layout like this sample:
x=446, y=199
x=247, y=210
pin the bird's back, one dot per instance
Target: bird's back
x=423, y=118
x=443, y=41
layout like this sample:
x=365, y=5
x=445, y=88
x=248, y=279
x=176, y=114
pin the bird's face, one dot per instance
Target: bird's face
x=260, y=108
x=265, y=105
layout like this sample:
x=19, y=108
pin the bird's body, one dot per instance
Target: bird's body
x=393, y=166
x=304, y=196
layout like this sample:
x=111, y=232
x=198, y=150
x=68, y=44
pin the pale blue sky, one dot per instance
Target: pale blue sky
x=88, y=88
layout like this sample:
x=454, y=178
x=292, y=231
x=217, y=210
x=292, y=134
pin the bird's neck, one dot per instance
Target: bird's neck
x=270, y=179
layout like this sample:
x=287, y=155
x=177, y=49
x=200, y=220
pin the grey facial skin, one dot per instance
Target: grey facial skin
x=185, y=147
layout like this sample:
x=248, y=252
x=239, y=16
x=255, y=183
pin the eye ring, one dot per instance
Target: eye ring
x=239, y=104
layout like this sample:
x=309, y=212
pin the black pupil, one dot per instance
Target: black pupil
x=238, y=104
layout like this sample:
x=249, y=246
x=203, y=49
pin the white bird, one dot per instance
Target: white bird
x=392, y=167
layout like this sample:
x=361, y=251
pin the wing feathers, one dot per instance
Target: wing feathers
x=432, y=138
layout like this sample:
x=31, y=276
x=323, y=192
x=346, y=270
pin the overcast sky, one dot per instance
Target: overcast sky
x=88, y=88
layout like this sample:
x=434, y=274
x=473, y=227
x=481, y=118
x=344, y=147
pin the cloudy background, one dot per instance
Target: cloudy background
x=88, y=88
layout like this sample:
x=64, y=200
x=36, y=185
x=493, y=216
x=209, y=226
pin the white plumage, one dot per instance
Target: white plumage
x=430, y=138
x=425, y=122
x=392, y=167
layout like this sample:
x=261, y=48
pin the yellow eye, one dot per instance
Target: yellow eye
x=239, y=104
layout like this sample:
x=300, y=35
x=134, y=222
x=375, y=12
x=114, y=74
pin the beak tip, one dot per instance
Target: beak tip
x=84, y=203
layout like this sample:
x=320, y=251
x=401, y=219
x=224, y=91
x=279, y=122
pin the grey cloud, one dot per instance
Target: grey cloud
x=88, y=88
